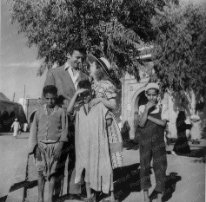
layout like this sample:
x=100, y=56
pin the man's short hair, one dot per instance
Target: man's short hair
x=49, y=89
x=76, y=47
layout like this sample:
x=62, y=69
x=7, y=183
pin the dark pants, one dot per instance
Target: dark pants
x=152, y=146
x=158, y=154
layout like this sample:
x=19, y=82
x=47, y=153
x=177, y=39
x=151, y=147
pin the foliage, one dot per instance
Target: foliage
x=180, y=48
x=117, y=29
x=55, y=25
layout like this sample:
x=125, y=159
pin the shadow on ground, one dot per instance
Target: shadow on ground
x=170, y=186
x=24, y=184
x=126, y=180
x=195, y=153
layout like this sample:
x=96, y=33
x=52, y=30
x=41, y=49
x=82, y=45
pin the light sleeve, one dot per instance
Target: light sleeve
x=110, y=91
x=141, y=109
x=165, y=113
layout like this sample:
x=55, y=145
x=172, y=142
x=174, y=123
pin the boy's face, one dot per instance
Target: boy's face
x=50, y=100
x=152, y=95
x=87, y=98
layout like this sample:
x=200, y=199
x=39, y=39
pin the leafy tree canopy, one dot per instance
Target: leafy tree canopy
x=116, y=29
x=111, y=28
x=180, y=48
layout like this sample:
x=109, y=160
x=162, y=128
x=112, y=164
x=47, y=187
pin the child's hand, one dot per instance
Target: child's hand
x=149, y=105
x=58, y=151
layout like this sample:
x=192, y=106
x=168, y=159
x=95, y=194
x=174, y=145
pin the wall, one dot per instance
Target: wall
x=31, y=106
x=130, y=95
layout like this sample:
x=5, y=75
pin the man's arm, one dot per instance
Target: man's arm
x=110, y=104
x=73, y=100
x=50, y=80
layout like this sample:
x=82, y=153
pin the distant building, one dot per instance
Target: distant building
x=8, y=112
x=133, y=95
x=30, y=106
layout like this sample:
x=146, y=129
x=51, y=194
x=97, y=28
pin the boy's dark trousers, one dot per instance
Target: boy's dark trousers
x=152, y=146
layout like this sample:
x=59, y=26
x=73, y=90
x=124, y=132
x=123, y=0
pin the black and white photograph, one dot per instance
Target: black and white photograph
x=103, y=101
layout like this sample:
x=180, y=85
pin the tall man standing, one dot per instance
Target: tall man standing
x=66, y=78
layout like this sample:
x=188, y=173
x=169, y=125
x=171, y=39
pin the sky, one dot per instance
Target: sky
x=18, y=62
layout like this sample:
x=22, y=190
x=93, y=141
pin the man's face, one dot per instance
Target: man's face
x=76, y=59
x=152, y=95
x=50, y=100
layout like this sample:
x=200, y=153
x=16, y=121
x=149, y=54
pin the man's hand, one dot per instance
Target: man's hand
x=94, y=102
x=81, y=90
x=37, y=154
x=58, y=151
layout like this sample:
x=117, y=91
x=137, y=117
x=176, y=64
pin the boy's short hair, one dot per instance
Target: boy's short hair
x=87, y=85
x=49, y=89
x=152, y=86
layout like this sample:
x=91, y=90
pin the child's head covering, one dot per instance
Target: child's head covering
x=195, y=117
x=152, y=86
x=106, y=67
x=103, y=62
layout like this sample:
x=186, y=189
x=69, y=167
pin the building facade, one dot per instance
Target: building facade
x=30, y=105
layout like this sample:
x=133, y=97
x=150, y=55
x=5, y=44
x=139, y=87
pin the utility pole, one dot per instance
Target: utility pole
x=24, y=91
x=13, y=96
